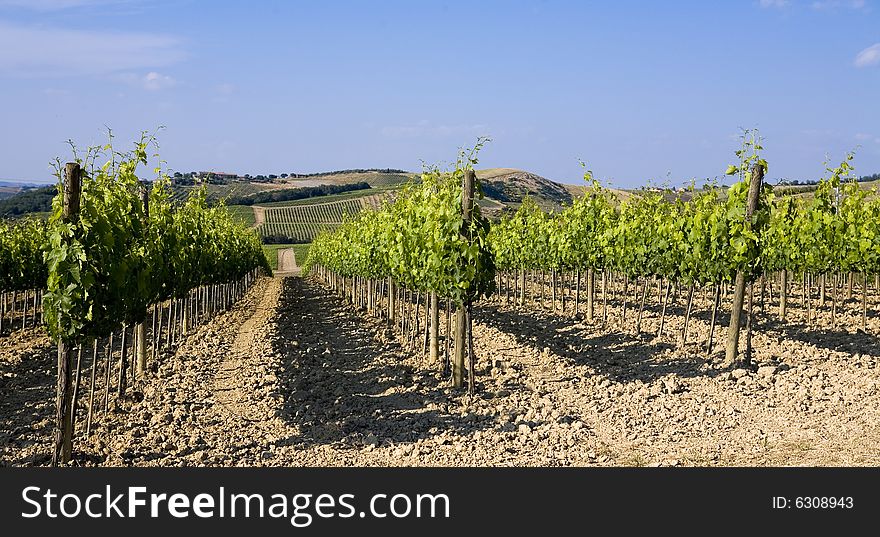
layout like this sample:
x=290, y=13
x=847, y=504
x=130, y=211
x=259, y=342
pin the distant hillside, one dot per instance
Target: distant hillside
x=375, y=178
x=29, y=200
x=504, y=190
x=508, y=185
x=292, y=224
x=11, y=188
x=290, y=194
x=238, y=189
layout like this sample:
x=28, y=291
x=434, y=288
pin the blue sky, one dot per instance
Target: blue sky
x=639, y=90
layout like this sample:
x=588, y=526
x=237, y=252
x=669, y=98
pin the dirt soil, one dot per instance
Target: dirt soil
x=291, y=376
x=259, y=215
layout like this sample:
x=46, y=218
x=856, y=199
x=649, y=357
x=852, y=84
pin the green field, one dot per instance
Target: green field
x=374, y=179
x=242, y=213
x=300, y=251
x=355, y=194
x=318, y=212
x=217, y=192
x=298, y=231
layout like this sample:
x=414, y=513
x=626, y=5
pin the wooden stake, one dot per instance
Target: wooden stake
x=92, y=389
x=467, y=203
x=663, y=311
x=472, y=361
x=642, y=306
x=63, y=446
x=79, y=355
x=756, y=178
x=865, y=302
x=687, y=317
x=748, y=359
x=783, y=292
x=591, y=292
x=122, y=366
x=434, y=343
x=717, y=302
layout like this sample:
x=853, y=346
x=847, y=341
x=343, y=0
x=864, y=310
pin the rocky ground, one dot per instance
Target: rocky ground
x=292, y=376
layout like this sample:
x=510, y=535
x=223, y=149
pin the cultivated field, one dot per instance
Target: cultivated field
x=294, y=376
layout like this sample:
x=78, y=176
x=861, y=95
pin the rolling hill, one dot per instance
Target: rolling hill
x=376, y=179
x=9, y=189
x=300, y=220
x=510, y=186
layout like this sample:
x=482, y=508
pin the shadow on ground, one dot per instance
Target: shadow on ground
x=27, y=383
x=344, y=381
x=824, y=337
x=622, y=357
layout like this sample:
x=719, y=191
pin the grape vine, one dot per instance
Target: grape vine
x=116, y=258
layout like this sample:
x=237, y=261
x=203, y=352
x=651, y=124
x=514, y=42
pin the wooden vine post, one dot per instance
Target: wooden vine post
x=783, y=293
x=591, y=286
x=756, y=178
x=141, y=329
x=467, y=203
x=434, y=343
x=64, y=411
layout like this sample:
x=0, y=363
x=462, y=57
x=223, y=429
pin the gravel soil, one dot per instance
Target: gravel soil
x=291, y=376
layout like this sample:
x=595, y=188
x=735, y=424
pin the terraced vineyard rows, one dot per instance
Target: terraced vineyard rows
x=323, y=212
x=180, y=194
x=303, y=222
x=298, y=231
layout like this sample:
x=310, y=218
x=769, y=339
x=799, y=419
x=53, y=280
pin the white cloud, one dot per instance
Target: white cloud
x=151, y=81
x=55, y=5
x=223, y=92
x=818, y=5
x=154, y=81
x=836, y=4
x=55, y=92
x=777, y=4
x=225, y=88
x=425, y=128
x=44, y=51
x=868, y=57
x=861, y=136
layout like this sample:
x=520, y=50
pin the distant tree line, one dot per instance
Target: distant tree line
x=340, y=172
x=39, y=200
x=282, y=239
x=192, y=178
x=813, y=182
x=30, y=200
x=288, y=194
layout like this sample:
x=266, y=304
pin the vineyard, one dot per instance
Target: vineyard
x=295, y=232
x=707, y=242
x=302, y=223
x=720, y=325
x=22, y=273
x=113, y=253
x=217, y=192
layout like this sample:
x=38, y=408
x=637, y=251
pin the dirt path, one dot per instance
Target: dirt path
x=232, y=400
x=287, y=263
x=213, y=401
x=259, y=215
